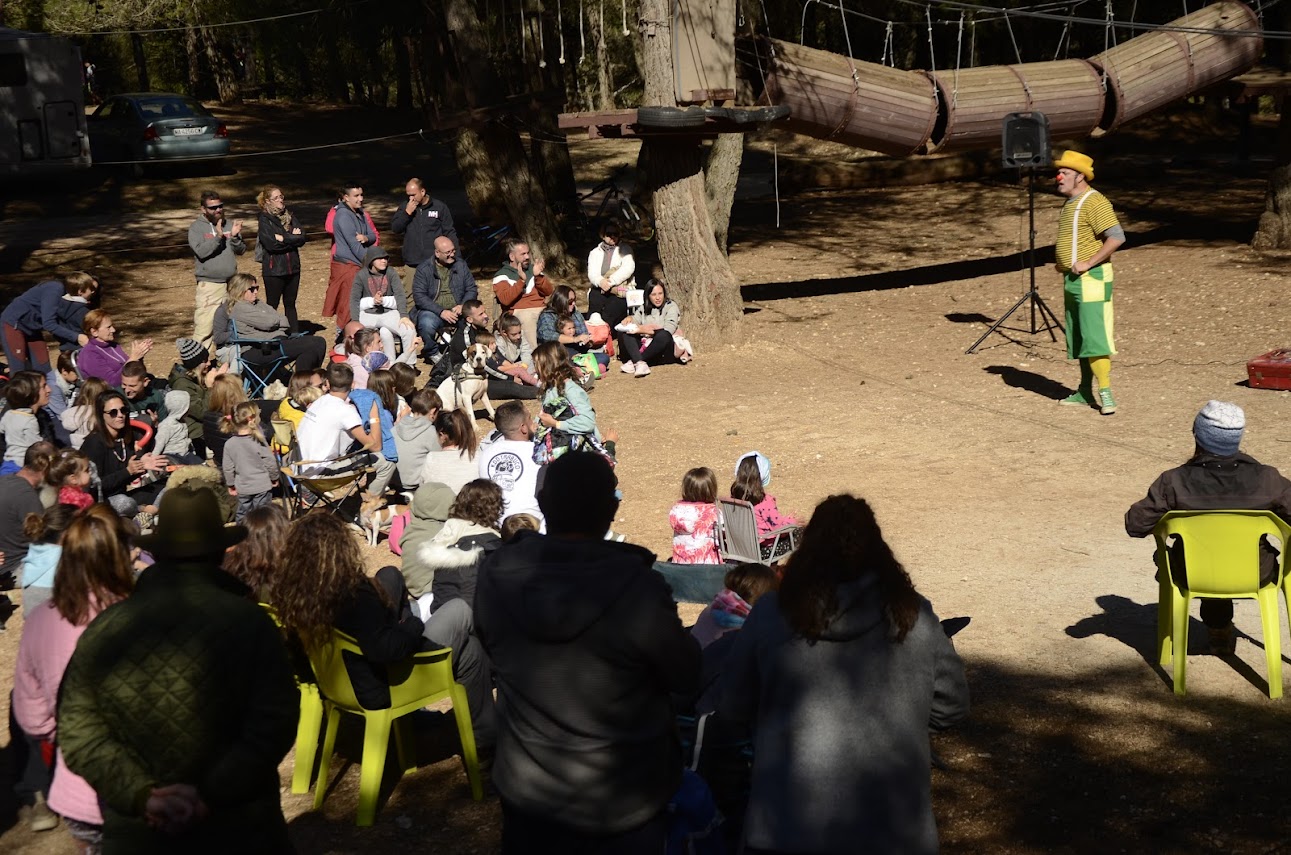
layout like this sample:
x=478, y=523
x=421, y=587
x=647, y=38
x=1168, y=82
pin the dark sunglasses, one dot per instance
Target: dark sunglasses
x=254, y=288
x=114, y=413
x=215, y=207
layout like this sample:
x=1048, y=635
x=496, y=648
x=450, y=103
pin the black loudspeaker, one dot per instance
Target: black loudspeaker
x=1026, y=140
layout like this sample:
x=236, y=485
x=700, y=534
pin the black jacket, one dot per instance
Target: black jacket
x=586, y=646
x=281, y=257
x=420, y=228
x=386, y=633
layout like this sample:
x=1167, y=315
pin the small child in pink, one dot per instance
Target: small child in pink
x=752, y=475
x=69, y=471
x=694, y=519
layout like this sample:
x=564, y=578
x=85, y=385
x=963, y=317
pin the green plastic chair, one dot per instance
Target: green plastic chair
x=420, y=680
x=1222, y=561
x=307, y=727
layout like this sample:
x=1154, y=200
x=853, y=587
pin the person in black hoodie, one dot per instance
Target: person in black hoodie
x=587, y=646
x=421, y=220
x=322, y=584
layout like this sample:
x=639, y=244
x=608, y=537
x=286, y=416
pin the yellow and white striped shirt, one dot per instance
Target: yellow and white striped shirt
x=1079, y=241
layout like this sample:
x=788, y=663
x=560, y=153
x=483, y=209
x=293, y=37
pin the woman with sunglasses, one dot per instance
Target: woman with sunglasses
x=126, y=470
x=258, y=321
x=102, y=357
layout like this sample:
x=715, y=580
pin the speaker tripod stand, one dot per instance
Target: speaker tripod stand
x=1042, y=317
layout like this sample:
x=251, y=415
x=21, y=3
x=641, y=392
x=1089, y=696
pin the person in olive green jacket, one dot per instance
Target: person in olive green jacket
x=193, y=374
x=179, y=702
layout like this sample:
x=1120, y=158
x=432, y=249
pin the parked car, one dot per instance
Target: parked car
x=155, y=126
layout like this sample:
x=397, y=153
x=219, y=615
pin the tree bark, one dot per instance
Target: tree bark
x=700, y=277
x=403, y=74
x=604, y=85
x=721, y=173
x=140, y=62
x=491, y=158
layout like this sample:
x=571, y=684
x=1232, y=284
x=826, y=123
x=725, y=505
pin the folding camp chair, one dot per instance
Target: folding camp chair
x=258, y=374
x=319, y=482
x=285, y=450
x=737, y=536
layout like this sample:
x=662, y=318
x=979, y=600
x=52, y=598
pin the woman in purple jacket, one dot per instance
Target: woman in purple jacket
x=102, y=357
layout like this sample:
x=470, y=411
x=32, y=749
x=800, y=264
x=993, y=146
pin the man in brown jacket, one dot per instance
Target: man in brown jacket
x=1218, y=477
x=522, y=288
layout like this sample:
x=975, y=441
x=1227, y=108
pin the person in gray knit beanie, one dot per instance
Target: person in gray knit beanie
x=1218, y=477
x=1218, y=428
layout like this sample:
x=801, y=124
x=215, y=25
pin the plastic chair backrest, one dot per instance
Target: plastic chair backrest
x=284, y=432
x=738, y=538
x=411, y=682
x=1221, y=548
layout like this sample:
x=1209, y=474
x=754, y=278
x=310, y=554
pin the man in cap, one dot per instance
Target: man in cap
x=1088, y=234
x=587, y=647
x=1218, y=477
x=179, y=702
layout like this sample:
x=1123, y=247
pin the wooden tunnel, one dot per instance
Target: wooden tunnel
x=896, y=112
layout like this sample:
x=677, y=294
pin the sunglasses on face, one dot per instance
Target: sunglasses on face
x=215, y=207
x=254, y=288
x=114, y=413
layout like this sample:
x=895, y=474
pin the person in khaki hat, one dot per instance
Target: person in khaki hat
x=1088, y=234
x=180, y=702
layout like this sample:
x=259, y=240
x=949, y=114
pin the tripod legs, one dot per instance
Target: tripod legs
x=1042, y=318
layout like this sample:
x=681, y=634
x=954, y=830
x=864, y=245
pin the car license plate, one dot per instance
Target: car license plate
x=189, y=132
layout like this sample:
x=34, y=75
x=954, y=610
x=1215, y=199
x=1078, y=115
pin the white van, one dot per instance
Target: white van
x=42, y=105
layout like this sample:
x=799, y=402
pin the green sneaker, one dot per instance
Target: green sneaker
x=1106, y=403
x=1079, y=398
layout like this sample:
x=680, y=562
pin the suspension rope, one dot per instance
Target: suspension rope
x=560, y=29
x=542, y=44
x=625, y=17
x=889, y=57
x=582, y=37
x=932, y=53
x=959, y=44
x=1016, y=52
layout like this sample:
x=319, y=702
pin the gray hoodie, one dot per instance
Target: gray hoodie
x=430, y=507
x=861, y=771
x=414, y=438
x=214, y=255
x=172, y=433
x=362, y=286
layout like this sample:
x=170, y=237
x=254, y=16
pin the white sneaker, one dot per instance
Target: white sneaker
x=642, y=369
x=628, y=367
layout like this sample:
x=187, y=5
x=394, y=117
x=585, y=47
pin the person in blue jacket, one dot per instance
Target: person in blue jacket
x=57, y=306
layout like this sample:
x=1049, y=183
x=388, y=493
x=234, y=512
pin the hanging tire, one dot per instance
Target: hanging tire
x=671, y=118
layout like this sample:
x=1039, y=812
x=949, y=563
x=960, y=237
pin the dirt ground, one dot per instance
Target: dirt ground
x=850, y=374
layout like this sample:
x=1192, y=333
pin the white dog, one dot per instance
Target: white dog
x=469, y=384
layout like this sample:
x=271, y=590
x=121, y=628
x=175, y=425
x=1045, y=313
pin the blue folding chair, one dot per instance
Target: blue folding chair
x=257, y=374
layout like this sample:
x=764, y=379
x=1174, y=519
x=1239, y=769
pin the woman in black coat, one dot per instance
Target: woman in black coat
x=279, y=238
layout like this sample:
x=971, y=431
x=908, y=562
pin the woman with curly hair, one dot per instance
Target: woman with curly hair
x=322, y=585
x=445, y=567
x=256, y=559
x=846, y=647
x=94, y=571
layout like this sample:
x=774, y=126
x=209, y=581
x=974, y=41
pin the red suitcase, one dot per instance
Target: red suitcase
x=1270, y=371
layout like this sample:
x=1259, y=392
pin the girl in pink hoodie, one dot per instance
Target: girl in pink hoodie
x=94, y=571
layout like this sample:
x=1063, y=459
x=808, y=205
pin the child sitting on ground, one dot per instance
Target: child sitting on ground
x=172, y=437
x=249, y=466
x=516, y=523
x=69, y=473
x=694, y=519
x=25, y=395
x=405, y=383
x=566, y=326
x=744, y=584
x=45, y=533
x=507, y=357
x=752, y=476
x=415, y=436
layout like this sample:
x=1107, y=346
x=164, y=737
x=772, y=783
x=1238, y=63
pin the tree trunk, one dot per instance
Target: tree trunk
x=227, y=79
x=721, y=173
x=604, y=85
x=700, y=277
x=1274, y=231
x=193, y=51
x=140, y=62
x=491, y=158
x=403, y=74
